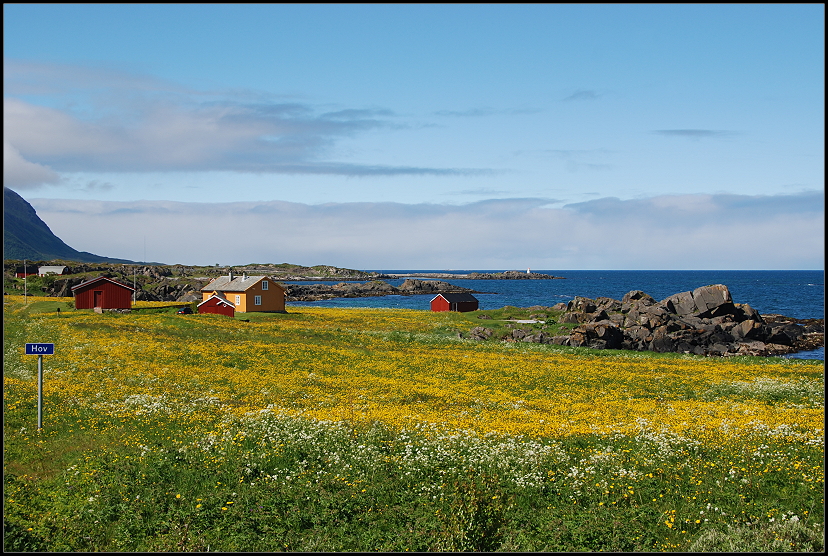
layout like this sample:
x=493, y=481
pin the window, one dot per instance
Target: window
x=257, y=300
x=238, y=300
x=264, y=284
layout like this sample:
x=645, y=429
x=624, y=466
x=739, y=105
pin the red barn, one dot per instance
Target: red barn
x=460, y=302
x=103, y=293
x=217, y=304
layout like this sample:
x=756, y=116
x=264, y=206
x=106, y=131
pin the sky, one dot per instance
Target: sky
x=423, y=136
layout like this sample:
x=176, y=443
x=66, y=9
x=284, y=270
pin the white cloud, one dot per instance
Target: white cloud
x=19, y=173
x=705, y=232
x=110, y=121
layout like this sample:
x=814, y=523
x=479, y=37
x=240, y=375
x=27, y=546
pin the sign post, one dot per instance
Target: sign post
x=40, y=350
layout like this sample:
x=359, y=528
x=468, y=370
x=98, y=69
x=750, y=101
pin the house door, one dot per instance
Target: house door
x=98, y=298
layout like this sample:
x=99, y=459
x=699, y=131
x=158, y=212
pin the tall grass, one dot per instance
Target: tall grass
x=349, y=429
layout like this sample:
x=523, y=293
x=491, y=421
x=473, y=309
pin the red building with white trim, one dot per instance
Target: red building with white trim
x=217, y=304
x=460, y=302
x=103, y=293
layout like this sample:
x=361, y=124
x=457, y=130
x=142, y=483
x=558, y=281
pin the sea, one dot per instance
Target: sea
x=793, y=293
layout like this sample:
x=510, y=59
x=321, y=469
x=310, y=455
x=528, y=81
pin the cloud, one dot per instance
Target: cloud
x=123, y=123
x=667, y=232
x=695, y=133
x=701, y=209
x=583, y=94
x=19, y=173
x=482, y=112
x=43, y=78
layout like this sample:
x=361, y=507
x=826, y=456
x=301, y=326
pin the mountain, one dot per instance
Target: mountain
x=26, y=236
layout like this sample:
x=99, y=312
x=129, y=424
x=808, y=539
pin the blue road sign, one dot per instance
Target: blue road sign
x=40, y=349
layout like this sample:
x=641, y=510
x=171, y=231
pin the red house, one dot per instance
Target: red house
x=460, y=302
x=217, y=304
x=103, y=293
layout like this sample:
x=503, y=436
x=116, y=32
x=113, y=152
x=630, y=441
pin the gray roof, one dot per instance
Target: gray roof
x=237, y=284
x=58, y=269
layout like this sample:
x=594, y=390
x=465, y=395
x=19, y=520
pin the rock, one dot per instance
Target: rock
x=681, y=304
x=572, y=318
x=786, y=334
x=581, y=305
x=708, y=298
x=636, y=295
x=705, y=321
x=602, y=335
x=480, y=333
x=518, y=334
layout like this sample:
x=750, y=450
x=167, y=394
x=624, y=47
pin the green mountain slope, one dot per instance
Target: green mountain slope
x=26, y=236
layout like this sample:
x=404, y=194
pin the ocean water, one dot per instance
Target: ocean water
x=793, y=293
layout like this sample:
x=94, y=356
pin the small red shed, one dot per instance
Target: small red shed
x=460, y=302
x=103, y=293
x=218, y=305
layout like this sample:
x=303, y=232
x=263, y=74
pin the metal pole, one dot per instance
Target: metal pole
x=25, y=292
x=39, y=392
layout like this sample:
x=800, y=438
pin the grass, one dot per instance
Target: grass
x=357, y=429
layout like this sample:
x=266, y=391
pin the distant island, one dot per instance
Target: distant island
x=506, y=275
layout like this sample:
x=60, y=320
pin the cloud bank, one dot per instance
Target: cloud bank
x=115, y=122
x=667, y=232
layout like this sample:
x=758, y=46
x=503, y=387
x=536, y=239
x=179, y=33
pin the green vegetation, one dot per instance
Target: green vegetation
x=358, y=430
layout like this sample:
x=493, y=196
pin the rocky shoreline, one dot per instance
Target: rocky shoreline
x=705, y=321
x=506, y=275
x=315, y=292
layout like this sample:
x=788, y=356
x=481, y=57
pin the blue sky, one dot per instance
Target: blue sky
x=423, y=136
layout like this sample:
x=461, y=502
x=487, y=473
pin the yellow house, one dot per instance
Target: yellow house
x=248, y=293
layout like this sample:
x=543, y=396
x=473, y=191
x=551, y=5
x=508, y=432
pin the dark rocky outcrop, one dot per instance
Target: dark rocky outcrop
x=506, y=275
x=315, y=292
x=705, y=321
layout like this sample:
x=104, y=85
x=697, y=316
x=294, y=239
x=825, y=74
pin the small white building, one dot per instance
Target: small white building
x=44, y=270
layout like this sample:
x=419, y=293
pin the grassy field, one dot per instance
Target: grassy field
x=379, y=429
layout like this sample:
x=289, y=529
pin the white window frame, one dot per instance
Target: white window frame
x=257, y=300
x=238, y=300
x=264, y=284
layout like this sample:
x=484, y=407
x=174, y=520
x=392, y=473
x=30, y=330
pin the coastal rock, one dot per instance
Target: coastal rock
x=705, y=321
x=314, y=292
x=481, y=333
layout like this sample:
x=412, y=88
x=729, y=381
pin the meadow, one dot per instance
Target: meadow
x=381, y=429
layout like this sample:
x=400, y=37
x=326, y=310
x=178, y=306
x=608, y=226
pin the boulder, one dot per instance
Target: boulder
x=681, y=304
x=636, y=295
x=581, y=305
x=481, y=333
x=572, y=318
x=709, y=298
x=601, y=335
